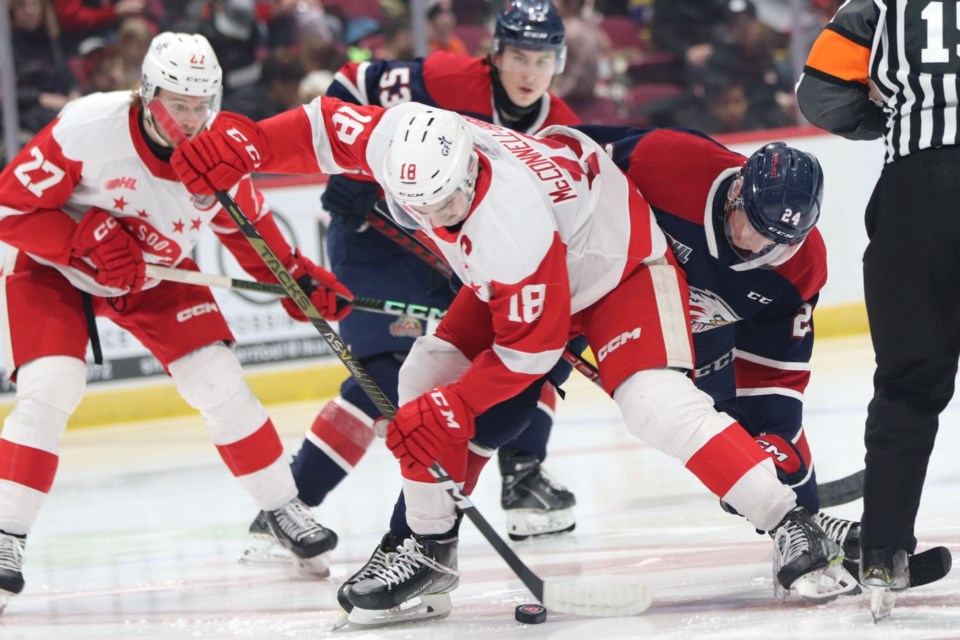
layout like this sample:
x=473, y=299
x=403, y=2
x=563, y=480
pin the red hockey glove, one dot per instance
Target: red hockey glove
x=217, y=159
x=322, y=287
x=113, y=251
x=424, y=428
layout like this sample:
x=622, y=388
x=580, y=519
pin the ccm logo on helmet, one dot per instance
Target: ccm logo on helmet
x=617, y=342
x=438, y=399
x=196, y=310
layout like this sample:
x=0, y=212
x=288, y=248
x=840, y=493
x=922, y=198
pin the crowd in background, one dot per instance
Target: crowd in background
x=714, y=65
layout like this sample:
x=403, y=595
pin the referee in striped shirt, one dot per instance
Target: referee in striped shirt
x=889, y=69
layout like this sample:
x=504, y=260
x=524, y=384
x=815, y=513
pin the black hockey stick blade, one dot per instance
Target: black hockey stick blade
x=925, y=567
x=841, y=491
x=929, y=566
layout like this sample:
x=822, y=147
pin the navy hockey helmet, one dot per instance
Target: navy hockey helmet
x=530, y=24
x=782, y=191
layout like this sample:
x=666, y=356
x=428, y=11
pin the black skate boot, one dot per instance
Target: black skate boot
x=807, y=561
x=535, y=503
x=884, y=571
x=11, y=566
x=381, y=558
x=845, y=533
x=414, y=585
x=293, y=529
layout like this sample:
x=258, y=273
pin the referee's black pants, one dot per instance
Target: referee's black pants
x=911, y=272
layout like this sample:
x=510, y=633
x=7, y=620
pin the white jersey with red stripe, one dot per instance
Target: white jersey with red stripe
x=94, y=155
x=554, y=226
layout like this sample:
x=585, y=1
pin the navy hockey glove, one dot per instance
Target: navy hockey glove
x=351, y=200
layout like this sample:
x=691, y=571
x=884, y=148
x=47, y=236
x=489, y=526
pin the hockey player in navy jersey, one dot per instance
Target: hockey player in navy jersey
x=508, y=88
x=754, y=273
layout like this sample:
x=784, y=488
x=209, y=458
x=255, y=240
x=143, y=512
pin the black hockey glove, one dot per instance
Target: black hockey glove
x=350, y=199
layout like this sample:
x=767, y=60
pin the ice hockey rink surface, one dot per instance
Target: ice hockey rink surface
x=141, y=534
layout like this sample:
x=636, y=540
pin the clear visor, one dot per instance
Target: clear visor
x=532, y=62
x=192, y=113
x=448, y=211
x=753, y=249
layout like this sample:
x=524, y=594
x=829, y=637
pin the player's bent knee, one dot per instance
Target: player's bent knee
x=431, y=362
x=48, y=391
x=210, y=380
x=57, y=381
x=663, y=408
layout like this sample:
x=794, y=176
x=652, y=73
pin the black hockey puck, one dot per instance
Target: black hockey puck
x=531, y=614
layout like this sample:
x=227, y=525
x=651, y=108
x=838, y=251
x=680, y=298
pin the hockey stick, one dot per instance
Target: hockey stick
x=841, y=491
x=385, y=224
x=373, y=305
x=616, y=599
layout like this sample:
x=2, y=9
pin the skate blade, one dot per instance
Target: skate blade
x=268, y=554
x=881, y=602
x=820, y=587
x=423, y=608
x=342, y=618
x=531, y=523
x=4, y=599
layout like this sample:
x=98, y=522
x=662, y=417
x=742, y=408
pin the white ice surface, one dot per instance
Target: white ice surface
x=141, y=533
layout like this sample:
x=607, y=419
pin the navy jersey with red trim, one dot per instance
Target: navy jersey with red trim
x=445, y=80
x=761, y=320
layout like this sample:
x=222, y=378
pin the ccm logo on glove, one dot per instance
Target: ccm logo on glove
x=444, y=408
x=249, y=148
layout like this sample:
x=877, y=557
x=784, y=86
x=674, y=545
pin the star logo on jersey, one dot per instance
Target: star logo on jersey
x=151, y=241
x=178, y=226
x=119, y=203
x=465, y=245
x=709, y=311
x=195, y=224
x=143, y=213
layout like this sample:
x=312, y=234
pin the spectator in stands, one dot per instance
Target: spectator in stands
x=289, y=21
x=747, y=49
x=133, y=40
x=81, y=19
x=101, y=67
x=587, y=45
x=727, y=107
x=44, y=81
x=277, y=89
x=685, y=28
x=398, y=41
x=238, y=37
x=441, y=23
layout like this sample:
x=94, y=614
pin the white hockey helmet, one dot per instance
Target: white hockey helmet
x=183, y=63
x=430, y=157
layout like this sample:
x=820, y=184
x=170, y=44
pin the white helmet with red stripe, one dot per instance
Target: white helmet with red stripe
x=429, y=156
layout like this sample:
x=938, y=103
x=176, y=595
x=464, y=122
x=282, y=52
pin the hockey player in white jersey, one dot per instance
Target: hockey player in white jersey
x=551, y=241
x=84, y=207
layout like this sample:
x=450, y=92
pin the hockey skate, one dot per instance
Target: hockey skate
x=290, y=536
x=805, y=560
x=382, y=557
x=845, y=533
x=884, y=571
x=414, y=584
x=535, y=503
x=11, y=566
